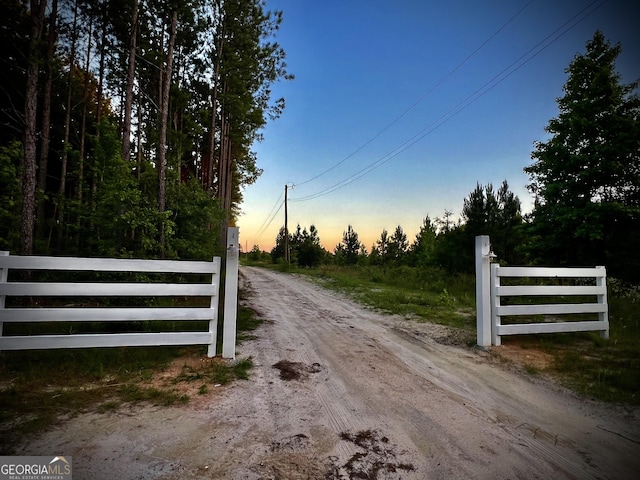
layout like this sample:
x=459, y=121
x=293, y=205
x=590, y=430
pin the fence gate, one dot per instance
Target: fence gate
x=128, y=308
x=525, y=299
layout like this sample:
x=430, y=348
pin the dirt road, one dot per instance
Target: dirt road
x=343, y=392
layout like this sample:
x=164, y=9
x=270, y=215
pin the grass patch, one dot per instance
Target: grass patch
x=424, y=294
x=606, y=370
x=39, y=387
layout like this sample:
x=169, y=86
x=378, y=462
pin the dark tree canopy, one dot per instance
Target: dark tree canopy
x=130, y=124
x=350, y=249
x=586, y=177
x=497, y=214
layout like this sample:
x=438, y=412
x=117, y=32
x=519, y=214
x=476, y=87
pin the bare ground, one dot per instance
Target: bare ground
x=343, y=392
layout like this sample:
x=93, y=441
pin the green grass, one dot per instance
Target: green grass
x=423, y=294
x=38, y=387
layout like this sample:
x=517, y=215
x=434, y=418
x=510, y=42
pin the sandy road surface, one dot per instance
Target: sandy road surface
x=356, y=394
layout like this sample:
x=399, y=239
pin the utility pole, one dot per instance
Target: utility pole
x=286, y=228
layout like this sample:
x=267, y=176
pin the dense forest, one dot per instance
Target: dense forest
x=127, y=129
x=127, y=125
x=585, y=180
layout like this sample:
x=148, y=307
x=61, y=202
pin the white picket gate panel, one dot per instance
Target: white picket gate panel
x=490, y=309
x=116, y=314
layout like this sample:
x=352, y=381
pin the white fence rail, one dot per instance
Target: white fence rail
x=491, y=310
x=117, y=314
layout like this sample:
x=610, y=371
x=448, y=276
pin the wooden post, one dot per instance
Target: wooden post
x=287, y=258
x=483, y=300
x=231, y=295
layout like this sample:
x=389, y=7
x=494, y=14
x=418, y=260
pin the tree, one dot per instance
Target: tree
x=421, y=251
x=349, y=250
x=380, y=251
x=38, y=8
x=278, y=251
x=189, y=81
x=244, y=67
x=309, y=252
x=486, y=212
x=165, y=86
x=398, y=245
x=586, y=177
x=131, y=70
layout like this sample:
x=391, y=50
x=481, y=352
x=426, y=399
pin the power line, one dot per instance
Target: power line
x=270, y=217
x=265, y=225
x=470, y=99
x=421, y=99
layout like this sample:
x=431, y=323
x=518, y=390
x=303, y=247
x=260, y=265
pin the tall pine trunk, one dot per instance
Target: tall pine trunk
x=128, y=102
x=30, y=131
x=162, y=141
x=83, y=135
x=67, y=127
x=46, y=119
x=214, y=113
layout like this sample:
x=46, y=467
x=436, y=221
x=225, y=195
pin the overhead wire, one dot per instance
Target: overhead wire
x=270, y=216
x=266, y=224
x=470, y=99
x=421, y=99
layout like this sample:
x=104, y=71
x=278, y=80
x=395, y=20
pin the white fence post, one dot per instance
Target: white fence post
x=483, y=300
x=213, y=306
x=231, y=295
x=602, y=299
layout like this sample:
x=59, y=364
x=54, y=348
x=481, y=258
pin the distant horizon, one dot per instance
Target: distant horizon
x=398, y=110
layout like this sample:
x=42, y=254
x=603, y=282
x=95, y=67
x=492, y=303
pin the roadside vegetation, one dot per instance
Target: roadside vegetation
x=607, y=370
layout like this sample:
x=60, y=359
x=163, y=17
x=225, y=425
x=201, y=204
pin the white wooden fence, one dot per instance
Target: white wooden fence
x=122, y=290
x=490, y=291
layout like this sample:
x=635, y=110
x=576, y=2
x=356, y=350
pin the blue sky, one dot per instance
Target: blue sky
x=374, y=81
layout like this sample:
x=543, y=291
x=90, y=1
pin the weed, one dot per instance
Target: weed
x=242, y=367
x=109, y=406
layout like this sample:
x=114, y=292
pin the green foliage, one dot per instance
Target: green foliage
x=427, y=294
x=10, y=195
x=350, y=250
x=256, y=255
x=304, y=247
x=309, y=252
x=195, y=216
x=422, y=250
x=95, y=202
x=496, y=214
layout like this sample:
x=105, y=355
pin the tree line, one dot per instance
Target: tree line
x=127, y=125
x=440, y=242
x=585, y=180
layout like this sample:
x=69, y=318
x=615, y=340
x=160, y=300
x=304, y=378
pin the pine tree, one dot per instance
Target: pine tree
x=350, y=249
x=586, y=177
